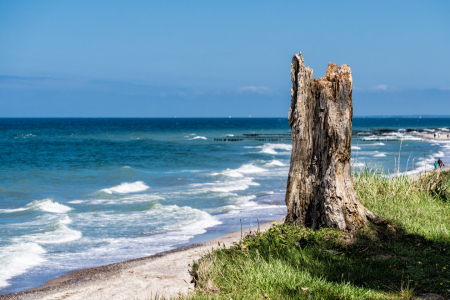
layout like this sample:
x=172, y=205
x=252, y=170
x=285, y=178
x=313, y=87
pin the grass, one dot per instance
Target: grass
x=406, y=258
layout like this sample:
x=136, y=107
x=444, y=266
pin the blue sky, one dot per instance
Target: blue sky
x=217, y=59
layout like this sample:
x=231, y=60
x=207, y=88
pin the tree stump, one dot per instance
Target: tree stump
x=319, y=188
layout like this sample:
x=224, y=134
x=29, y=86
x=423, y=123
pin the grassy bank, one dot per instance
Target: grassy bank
x=402, y=260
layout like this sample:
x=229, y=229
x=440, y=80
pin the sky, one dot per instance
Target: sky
x=109, y=58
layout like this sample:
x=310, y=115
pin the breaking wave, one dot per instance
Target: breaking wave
x=127, y=188
x=48, y=205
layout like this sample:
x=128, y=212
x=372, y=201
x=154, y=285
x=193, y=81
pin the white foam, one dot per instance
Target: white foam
x=172, y=225
x=24, y=136
x=13, y=210
x=423, y=165
x=17, y=258
x=61, y=234
x=276, y=163
x=356, y=148
x=378, y=144
x=140, y=198
x=51, y=206
x=223, y=186
x=444, y=129
x=230, y=186
x=250, y=169
x=77, y=201
x=229, y=173
x=245, y=201
x=392, y=136
x=48, y=205
x=422, y=169
x=358, y=165
x=239, y=173
x=380, y=155
x=438, y=154
x=193, y=136
x=271, y=149
x=127, y=188
x=65, y=220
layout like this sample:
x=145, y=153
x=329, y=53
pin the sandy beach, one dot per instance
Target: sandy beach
x=438, y=136
x=165, y=274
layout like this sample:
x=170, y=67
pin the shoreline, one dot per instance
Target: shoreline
x=162, y=274
x=82, y=283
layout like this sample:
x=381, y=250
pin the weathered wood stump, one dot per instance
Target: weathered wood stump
x=319, y=188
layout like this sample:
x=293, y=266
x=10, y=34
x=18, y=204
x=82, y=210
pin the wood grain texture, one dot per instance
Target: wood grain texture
x=319, y=189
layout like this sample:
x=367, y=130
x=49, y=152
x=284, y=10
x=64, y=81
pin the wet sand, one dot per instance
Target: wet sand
x=165, y=274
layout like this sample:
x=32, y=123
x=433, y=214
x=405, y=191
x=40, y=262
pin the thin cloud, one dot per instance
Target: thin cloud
x=261, y=90
x=36, y=82
x=381, y=87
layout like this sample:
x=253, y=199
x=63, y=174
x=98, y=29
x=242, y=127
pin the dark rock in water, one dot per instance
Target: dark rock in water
x=319, y=188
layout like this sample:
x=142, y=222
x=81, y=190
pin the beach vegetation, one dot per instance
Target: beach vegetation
x=405, y=258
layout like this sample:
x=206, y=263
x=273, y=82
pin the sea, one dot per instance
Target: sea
x=78, y=193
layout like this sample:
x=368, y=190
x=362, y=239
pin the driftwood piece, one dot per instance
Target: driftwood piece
x=319, y=188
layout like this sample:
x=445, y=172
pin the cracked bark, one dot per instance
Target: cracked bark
x=319, y=188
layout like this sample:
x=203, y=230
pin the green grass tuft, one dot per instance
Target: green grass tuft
x=406, y=258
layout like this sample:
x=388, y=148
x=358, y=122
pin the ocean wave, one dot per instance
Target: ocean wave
x=229, y=173
x=59, y=234
x=17, y=258
x=193, y=136
x=239, y=172
x=51, y=206
x=392, y=136
x=234, y=204
x=223, y=186
x=271, y=149
x=250, y=169
x=356, y=148
x=370, y=145
x=244, y=201
x=77, y=201
x=358, y=165
x=424, y=164
x=380, y=155
x=48, y=205
x=140, y=198
x=167, y=226
x=12, y=210
x=230, y=186
x=25, y=136
x=275, y=163
x=127, y=188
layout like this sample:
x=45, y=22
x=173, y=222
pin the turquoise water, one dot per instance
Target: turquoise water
x=78, y=193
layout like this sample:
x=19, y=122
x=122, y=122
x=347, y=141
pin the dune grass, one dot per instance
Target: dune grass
x=406, y=258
